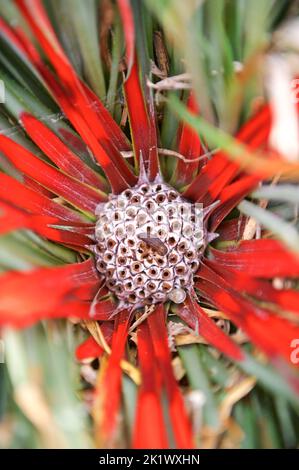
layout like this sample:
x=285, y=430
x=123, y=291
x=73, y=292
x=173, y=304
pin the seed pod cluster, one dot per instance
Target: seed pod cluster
x=149, y=244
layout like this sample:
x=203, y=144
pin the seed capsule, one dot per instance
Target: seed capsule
x=148, y=245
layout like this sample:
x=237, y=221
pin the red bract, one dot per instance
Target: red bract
x=232, y=280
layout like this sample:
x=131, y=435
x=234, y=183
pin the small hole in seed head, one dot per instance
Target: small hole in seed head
x=128, y=193
x=150, y=205
x=111, y=283
x=109, y=272
x=101, y=266
x=182, y=246
x=119, y=289
x=111, y=243
x=172, y=195
x=136, y=267
x=135, y=199
x=166, y=274
x=151, y=286
x=166, y=286
x=180, y=270
x=144, y=189
x=194, y=265
x=132, y=297
x=108, y=257
x=160, y=198
x=173, y=258
x=171, y=241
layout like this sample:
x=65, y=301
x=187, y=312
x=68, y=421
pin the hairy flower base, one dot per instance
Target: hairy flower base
x=150, y=241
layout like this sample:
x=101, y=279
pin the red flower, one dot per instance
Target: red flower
x=58, y=201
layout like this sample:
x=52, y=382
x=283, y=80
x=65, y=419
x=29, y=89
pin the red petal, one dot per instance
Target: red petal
x=114, y=132
x=230, y=198
x=14, y=219
x=16, y=193
x=288, y=299
x=181, y=425
x=219, y=171
x=11, y=36
x=149, y=429
x=268, y=331
x=110, y=389
x=40, y=291
x=78, y=194
x=189, y=146
x=142, y=125
x=89, y=349
x=58, y=152
x=232, y=229
x=232, y=169
x=72, y=98
x=259, y=258
x=208, y=329
x=129, y=30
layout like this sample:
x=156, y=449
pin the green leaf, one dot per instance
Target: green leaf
x=198, y=380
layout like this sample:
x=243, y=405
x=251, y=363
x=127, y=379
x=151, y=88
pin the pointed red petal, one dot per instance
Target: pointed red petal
x=89, y=349
x=58, y=152
x=180, y=422
x=141, y=116
x=12, y=219
x=189, y=146
x=230, y=198
x=142, y=125
x=40, y=291
x=78, y=194
x=16, y=193
x=111, y=384
x=129, y=30
x=149, y=429
x=73, y=99
x=259, y=258
x=208, y=329
x=114, y=132
x=219, y=171
x=232, y=229
x=232, y=169
x=268, y=331
x=11, y=36
x=288, y=299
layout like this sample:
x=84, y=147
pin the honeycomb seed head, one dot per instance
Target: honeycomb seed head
x=149, y=244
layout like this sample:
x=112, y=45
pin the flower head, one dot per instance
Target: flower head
x=142, y=238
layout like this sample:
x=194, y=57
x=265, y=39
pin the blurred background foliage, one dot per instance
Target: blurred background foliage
x=220, y=48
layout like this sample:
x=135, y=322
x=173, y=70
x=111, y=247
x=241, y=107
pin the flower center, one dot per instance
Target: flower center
x=149, y=244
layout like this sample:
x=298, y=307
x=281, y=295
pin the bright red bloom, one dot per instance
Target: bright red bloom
x=61, y=208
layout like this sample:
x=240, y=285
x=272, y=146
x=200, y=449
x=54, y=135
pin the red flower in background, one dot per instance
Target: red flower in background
x=58, y=199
